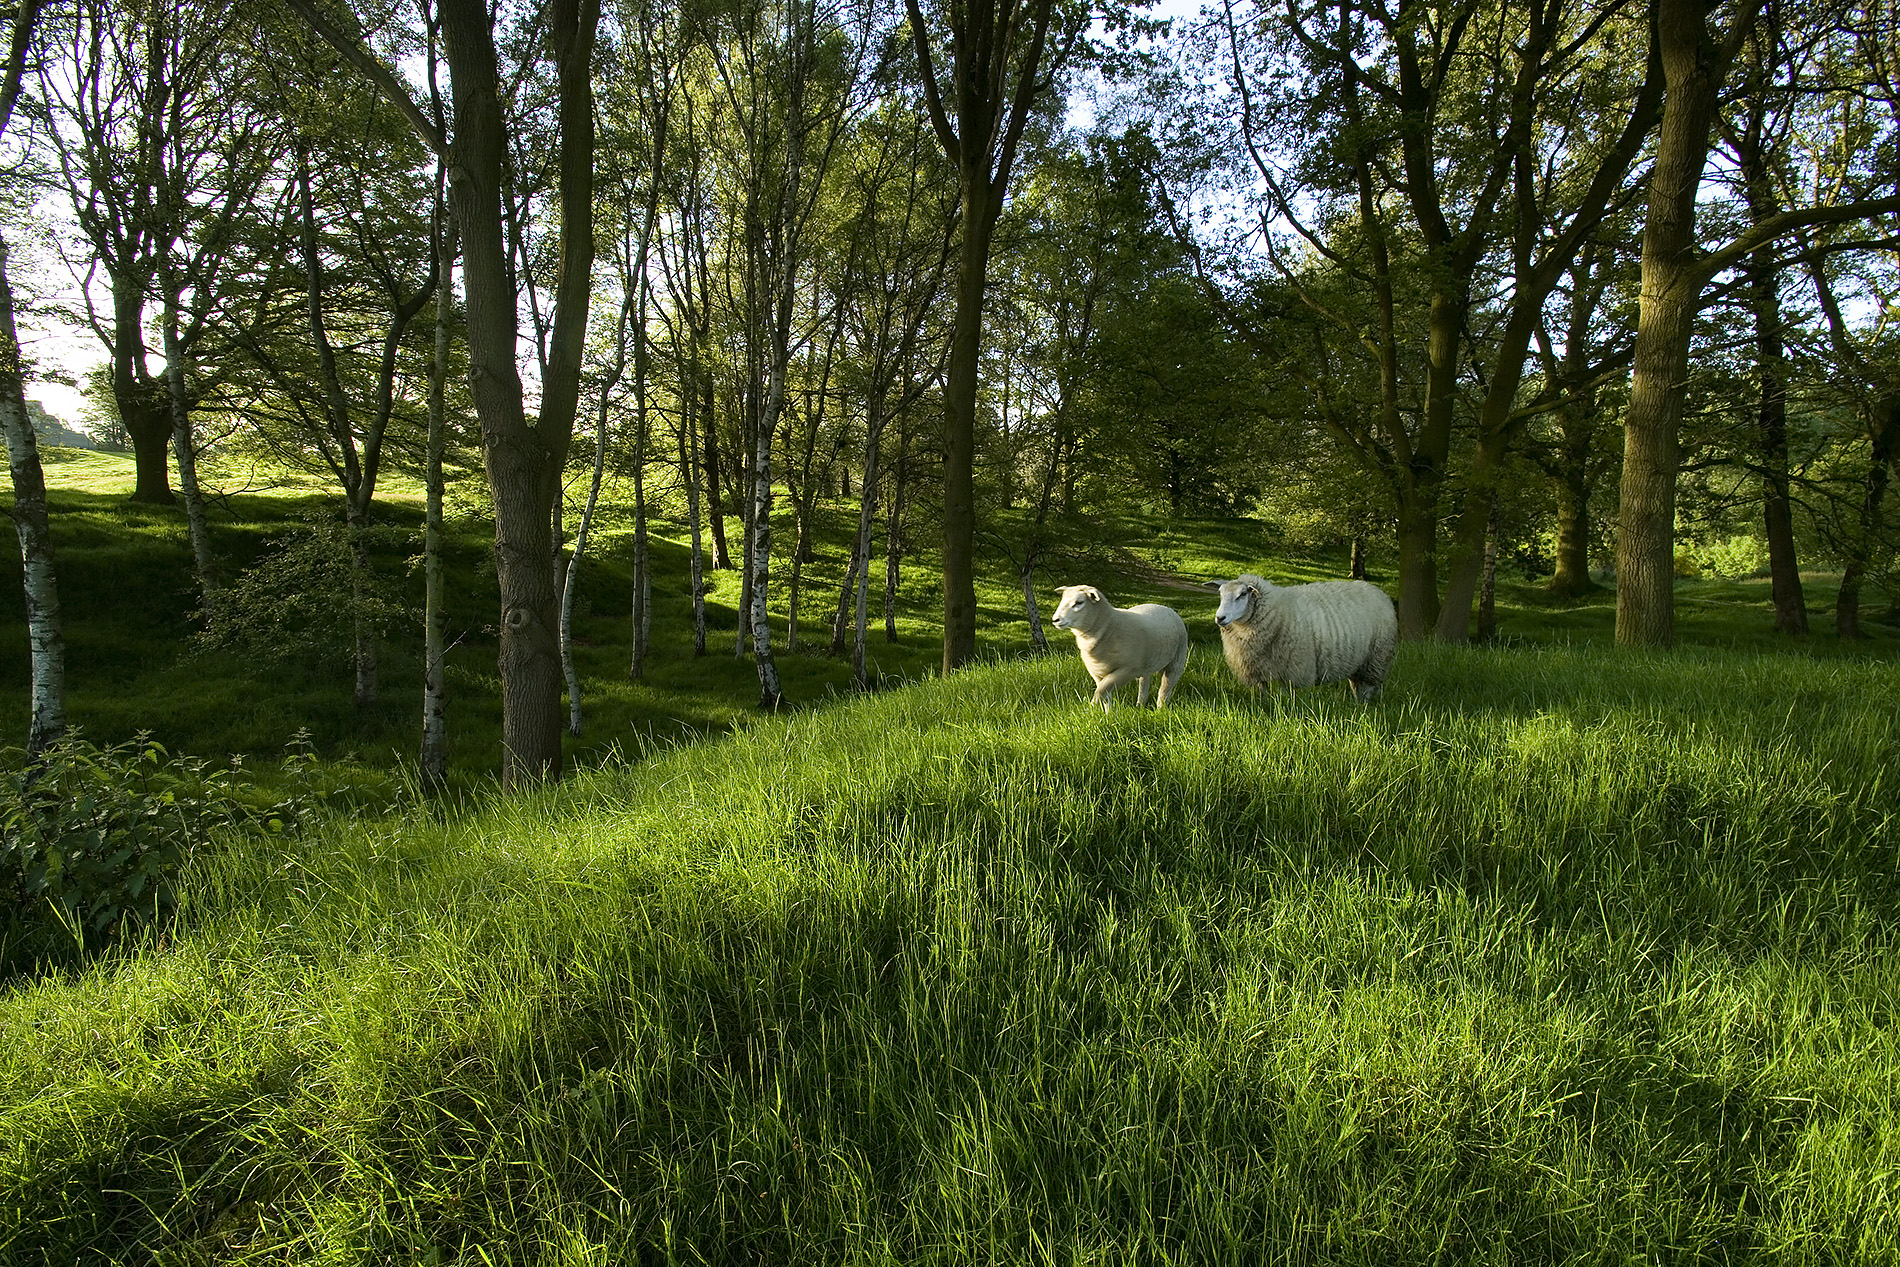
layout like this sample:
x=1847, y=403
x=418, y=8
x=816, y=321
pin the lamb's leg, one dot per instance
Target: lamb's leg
x=1141, y=692
x=1170, y=678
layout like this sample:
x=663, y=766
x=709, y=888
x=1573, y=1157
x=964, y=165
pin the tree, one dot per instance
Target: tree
x=45, y=637
x=523, y=459
x=132, y=74
x=997, y=72
x=901, y=238
x=332, y=342
x=1677, y=267
x=1420, y=177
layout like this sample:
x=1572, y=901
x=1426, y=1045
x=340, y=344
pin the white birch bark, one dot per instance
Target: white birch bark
x=46, y=642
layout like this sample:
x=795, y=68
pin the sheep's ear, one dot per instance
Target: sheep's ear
x=1089, y=591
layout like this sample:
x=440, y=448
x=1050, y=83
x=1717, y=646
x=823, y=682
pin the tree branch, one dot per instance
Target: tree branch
x=377, y=72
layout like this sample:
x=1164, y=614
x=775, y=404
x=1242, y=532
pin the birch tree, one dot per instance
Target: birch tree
x=45, y=639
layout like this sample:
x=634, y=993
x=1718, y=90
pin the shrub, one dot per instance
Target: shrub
x=91, y=837
x=294, y=605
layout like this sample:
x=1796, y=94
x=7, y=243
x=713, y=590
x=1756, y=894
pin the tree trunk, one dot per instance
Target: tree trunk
x=433, y=762
x=144, y=409
x=696, y=563
x=1671, y=295
x=1572, y=575
x=523, y=461
x=715, y=507
x=1473, y=537
x=894, y=531
x=185, y=451
x=1771, y=364
x=1488, y=590
x=1884, y=434
x=1358, y=556
x=1027, y=575
x=867, y=519
x=571, y=582
x=981, y=204
x=641, y=614
x=857, y=572
x=1418, y=561
x=363, y=626
x=759, y=540
x=46, y=643
x=1784, y=569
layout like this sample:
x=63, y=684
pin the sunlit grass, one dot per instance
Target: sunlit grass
x=1554, y=954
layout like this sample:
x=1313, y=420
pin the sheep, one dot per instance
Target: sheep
x=1303, y=634
x=1121, y=644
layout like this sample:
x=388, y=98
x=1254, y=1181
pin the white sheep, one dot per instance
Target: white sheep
x=1303, y=634
x=1124, y=644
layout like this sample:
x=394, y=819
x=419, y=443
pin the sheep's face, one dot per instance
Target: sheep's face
x=1077, y=608
x=1237, y=599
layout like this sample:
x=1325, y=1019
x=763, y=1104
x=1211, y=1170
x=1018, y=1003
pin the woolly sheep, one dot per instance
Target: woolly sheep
x=1303, y=634
x=1123, y=644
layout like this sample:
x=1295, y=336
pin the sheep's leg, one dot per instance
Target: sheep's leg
x=1141, y=692
x=1105, y=689
x=1170, y=678
x=1365, y=690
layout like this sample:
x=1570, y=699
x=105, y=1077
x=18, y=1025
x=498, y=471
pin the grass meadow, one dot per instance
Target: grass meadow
x=1554, y=954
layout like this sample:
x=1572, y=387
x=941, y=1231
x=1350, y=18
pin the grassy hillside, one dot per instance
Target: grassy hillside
x=1552, y=955
x=1555, y=954
x=130, y=612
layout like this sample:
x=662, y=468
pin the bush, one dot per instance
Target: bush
x=293, y=606
x=1731, y=558
x=91, y=837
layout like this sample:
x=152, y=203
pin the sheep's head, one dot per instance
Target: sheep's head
x=1076, y=606
x=1238, y=598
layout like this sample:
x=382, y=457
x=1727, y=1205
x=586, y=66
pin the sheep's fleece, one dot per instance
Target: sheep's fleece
x=1124, y=644
x=1305, y=634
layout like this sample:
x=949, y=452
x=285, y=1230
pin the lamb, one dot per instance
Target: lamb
x=1303, y=634
x=1121, y=644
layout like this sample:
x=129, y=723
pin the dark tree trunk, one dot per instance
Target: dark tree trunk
x=980, y=207
x=1753, y=154
x=1693, y=70
x=894, y=530
x=433, y=761
x=696, y=562
x=523, y=461
x=1784, y=569
x=1572, y=577
x=142, y=404
x=1488, y=589
x=995, y=75
x=1884, y=434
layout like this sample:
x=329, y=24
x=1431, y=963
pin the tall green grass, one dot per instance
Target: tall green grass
x=1552, y=955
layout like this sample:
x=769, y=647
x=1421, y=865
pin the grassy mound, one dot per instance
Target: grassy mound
x=1555, y=955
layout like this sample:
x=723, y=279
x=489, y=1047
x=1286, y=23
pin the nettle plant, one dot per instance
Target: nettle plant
x=92, y=837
